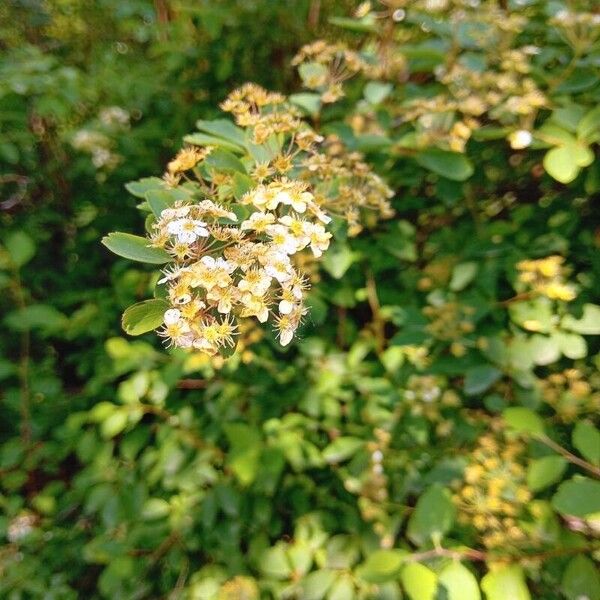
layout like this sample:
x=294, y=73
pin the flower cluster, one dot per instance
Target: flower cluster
x=359, y=191
x=497, y=87
x=449, y=321
x=243, y=231
x=572, y=393
x=546, y=276
x=98, y=139
x=324, y=67
x=225, y=269
x=495, y=493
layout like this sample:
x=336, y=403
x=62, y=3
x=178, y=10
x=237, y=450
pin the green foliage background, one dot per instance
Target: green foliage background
x=128, y=472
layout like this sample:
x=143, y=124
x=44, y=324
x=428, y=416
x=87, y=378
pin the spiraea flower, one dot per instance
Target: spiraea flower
x=240, y=229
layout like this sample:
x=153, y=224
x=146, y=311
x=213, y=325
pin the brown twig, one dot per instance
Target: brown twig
x=192, y=384
x=378, y=321
x=595, y=471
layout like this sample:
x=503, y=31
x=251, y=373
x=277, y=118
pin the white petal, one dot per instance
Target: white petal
x=286, y=307
x=286, y=336
x=171, y=316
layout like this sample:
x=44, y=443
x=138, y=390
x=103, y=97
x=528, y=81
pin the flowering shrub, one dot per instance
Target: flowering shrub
x=366, y=393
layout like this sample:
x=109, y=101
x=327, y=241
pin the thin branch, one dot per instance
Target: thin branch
x=192, y=384
x=595, y=471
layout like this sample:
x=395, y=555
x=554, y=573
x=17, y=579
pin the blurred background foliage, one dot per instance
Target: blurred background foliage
x=437, y=409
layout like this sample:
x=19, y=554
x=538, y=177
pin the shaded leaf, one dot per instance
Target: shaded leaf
x=135, y=248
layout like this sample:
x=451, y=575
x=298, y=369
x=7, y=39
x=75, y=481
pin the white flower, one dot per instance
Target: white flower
x=215, y=210
x=258, y=221
x=277, y=265
x=520, y=139
x=319, y=239
x=218, y=263
x=255, y=281
x=187, y=230
x=282, y=239
x=297, y=200
x=298, y=228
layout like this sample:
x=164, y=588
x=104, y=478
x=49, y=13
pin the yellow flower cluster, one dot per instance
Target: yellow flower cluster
x=358, y=188
x=546, y=276
x=572, y=393
x=324, y=67
x=449, y=321
x=497, y=87
x=495, y=494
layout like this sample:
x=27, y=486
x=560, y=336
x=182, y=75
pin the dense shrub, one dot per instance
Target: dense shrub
x=430, y=431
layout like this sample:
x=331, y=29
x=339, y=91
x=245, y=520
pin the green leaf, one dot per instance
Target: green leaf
x=142, y=186
x=155, y=508
x=459, y=582
x=581, y=579
x=505, y=583
x=479, y=379
x=204, y=140
x=447, y=164
x=544, y=349
x=241, y=184
x=433, y=516
x=587, y=324
x=545, y=471
x=114, y=423
x=568, y=116
x=523, y=420
x=382, y=566
x=342, y=448
x=300, y=555
x=21, y=248
x=579, y=497
x=274, y=562
x=376, y=92
x=581, y=79
x=223, y=160
x=158, y=201
x=135, y=247
x=533, y=315
x=462, y=275
x=316, y=584
x=572, y=345
x=561, y=164
x=589, y=126
x=144, y=316
x=342, y=589
x=419, y=581
x=586, y=438
x=338, y=259
x=243, y=457
x=309, y=102
x=224, y=129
